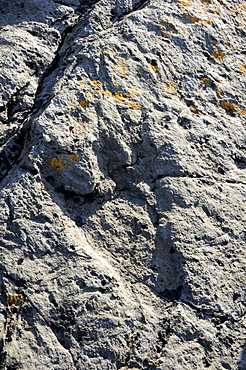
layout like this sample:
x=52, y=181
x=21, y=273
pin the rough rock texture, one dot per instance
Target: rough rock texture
x=123, y=184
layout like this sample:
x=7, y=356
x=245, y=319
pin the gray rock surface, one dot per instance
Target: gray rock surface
x=122, y=185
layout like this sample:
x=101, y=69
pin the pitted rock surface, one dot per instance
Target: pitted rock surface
x=122, y=185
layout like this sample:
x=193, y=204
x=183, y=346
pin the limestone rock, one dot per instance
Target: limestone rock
x=123, y=183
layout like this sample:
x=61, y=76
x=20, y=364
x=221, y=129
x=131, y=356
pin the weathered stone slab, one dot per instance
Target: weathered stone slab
x=123, y=183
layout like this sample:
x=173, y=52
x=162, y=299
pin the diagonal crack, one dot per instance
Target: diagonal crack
x=18, y=139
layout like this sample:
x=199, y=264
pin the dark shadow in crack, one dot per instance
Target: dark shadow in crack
x=169, y=263
x=242, y=363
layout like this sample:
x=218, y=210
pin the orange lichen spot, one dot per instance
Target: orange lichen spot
x=57, y=164
x=84, y=104
x=242, y=69
x=169, y=85
x=193, y=109
x=64, y=162
x=91, y=93
x=183, y=4
x=16, y=301
x=192, y=19
x=134, y=92
x=243, y=112
x=197, y=20
x=154, y=66
x=170, y=88
x=169, y=26
x=96, y=83
x=206, y=2
x=121, y=97
x=122, y=67
x=219, y=92
x=214, y=11
x=164, y=34
x=108, y=93
x=174, y=31
x=74, y=157
x=108, y=52
x=218, y=55
x=73, y=102
x=205, y=23
x=133, y=105
x=205, y=80
x=230, y=106
x=176, y=70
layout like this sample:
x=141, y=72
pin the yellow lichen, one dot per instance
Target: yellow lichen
x=64, y=162
x=205, y=80
x=121, y=97
x=242, y=68
x=168, y=26
x=82, y=82
x=193, y=109
x=164, y=34
x=74, y=157
x=57, y=164
x=108, y=93
x=214, y=11
x=96, y=83
x=108, y=52
x=230, y=106
x=170, y=88
x=133, y=105
x=16, y=300
x=154, y=67
x=84, y=104
x=197, y=20
x=184, y=4
x=91, y=93
x=219, y=93
x=122, y=67
x=73, y=102
x=205, y=23
x=134, y=92
x=218, y=55
x=192, y=19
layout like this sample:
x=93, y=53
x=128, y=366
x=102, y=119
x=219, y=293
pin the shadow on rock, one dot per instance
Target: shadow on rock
x=242, y=363
x=169, y=264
